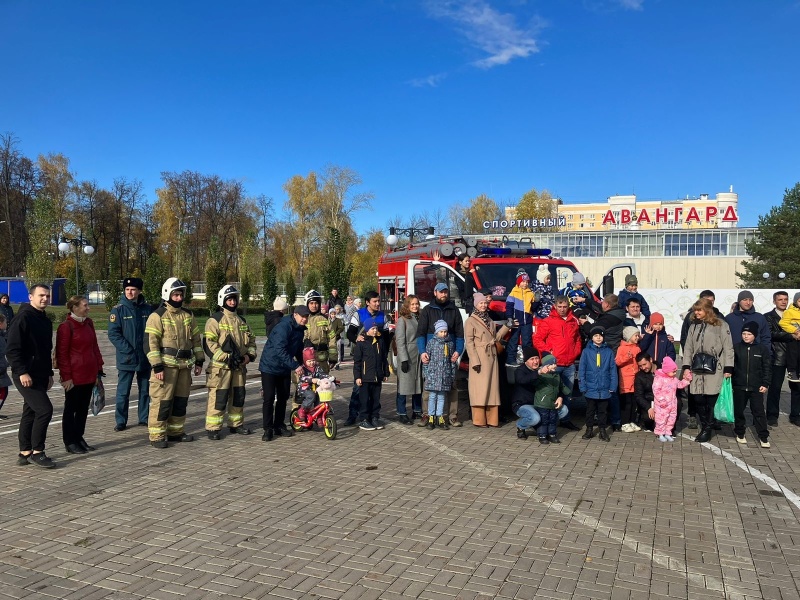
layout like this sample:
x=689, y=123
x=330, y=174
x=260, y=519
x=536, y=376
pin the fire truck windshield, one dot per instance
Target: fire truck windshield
x=500, y=277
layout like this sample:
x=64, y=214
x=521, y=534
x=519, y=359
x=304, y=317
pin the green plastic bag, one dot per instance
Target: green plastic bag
x=723, y=409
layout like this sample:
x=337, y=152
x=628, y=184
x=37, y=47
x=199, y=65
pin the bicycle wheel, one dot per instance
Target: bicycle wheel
x=297, y=424
x=330, y=427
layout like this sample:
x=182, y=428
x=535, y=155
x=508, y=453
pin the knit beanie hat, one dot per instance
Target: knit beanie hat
x=529, y=352
x=745, y=295
x=750, y=327
x=522, y=275
x=629, y=332
x=668, y=365
x=542, y=273
x=597, y=330
x=440, y=326
x=577, y=279
x=369, y=323
x=309, y=354
x=656, y=318
x=279, y=304
x=477, y=298
x=548, y=359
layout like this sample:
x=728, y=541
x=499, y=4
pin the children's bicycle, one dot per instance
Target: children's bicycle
x=321, y=414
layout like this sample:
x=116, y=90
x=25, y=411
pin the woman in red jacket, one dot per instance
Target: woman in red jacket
x=80, y=365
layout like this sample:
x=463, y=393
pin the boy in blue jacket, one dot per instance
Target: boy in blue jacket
x=632, y=291
x=598, y=380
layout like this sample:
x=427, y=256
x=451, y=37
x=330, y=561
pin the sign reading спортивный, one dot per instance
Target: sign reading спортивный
x=525, y=223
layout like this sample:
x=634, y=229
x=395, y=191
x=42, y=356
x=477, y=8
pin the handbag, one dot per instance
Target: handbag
x=703, y=363
x=98, y=399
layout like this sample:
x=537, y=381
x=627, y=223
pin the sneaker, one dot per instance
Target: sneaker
x=634, y=427
x=431, y=422
x=442, y=424
x=765, y=443
x=692, y=423
x=553, y=439
x=22, y=460
x=627, y=428
x=455, y=423
x=378, y=424
x=404, y=419
x=662, y=438
x=349, y=422
x=544, y=441
x=741, y=440
x=792, y=376
x=670, y=438
x=772, y=422
x=120, y=427
x=366, y=426
x=41, y=459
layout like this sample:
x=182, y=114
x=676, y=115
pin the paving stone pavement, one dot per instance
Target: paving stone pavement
x=400, y=513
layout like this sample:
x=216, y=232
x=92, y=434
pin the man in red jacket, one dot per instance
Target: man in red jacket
x=559, y=335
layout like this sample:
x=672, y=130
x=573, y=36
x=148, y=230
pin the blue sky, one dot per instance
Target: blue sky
x=431, y=102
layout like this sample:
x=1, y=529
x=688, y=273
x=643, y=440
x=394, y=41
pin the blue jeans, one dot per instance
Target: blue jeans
x=523, y=335
x=123, y=395
x=568, y=379
x=416, y=404
x=436, y=403
x=530, y=417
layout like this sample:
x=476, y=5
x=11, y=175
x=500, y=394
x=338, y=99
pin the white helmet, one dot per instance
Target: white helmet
x=170, y=285
x=312, y=295
x=227, y=290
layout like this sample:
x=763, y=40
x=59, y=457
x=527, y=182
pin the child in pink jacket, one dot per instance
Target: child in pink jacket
x=665, y=402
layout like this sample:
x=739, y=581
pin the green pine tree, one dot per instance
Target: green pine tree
x=337, y=270
x=291, y=290
x=155, y=276
x=215, y=274
x=269, y=275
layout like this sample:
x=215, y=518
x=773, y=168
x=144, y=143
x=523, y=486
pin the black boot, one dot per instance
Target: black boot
x=184, y=437
x=705, y=434
x=240, y=430
x=212, y=435
x=522, y=434
x=589, y=434
x=604, y=434
x=553, y=439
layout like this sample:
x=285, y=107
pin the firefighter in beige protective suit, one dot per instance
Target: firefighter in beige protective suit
x=173, y=350
x=231, y=346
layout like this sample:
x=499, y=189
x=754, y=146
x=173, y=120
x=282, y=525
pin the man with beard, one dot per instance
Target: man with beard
x=442, y=309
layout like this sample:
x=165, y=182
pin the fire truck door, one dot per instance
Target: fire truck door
x=614, y=280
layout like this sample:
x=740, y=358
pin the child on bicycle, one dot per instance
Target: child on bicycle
x=307, y=382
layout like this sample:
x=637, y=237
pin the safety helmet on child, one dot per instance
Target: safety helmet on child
x=171, y=285
x=227, y=290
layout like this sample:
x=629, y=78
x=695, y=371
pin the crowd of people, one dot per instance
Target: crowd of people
x=524, y=365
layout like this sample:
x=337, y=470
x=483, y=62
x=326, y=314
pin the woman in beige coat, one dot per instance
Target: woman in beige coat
x=480, y=334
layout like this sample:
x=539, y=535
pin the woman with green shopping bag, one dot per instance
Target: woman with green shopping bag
x=709, y=355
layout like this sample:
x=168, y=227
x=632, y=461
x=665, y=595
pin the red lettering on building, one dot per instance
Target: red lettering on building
x=661, y=215
x=730, y=214
x=625, y=216
x=644, y=217
x=693, y=216
x=609, y=218
x=678, y=211
x=711, y=212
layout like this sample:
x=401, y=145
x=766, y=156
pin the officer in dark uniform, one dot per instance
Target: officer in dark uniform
x=126, y=331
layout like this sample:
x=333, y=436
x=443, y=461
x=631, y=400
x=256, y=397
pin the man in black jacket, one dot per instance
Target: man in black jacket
x=780, y=341
x=29, y=352
x=643, y=390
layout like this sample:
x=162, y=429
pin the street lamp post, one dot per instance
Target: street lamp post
x=78, y=242
x=392, y=239
x=767, y=277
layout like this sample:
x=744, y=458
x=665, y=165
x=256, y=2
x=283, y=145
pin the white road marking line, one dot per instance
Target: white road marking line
x=762, y=477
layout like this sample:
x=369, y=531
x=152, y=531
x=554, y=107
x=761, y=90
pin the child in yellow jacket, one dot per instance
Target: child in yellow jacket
x=790, y=322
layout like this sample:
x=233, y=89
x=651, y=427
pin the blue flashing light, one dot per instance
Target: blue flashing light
x=515, y=251
x=496, y=251
x=539, y=251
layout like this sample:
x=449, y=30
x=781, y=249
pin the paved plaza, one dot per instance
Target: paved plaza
x=400, y=513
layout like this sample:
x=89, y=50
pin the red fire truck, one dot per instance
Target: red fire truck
x=417, y=267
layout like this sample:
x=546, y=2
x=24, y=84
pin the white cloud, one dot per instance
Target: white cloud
x=631, y=4
x=429, y=81
x=495, y=33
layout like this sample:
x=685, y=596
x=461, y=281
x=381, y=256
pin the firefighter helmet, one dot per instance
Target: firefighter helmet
x=313, y=295
x=227, y=290
x=170, y=285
